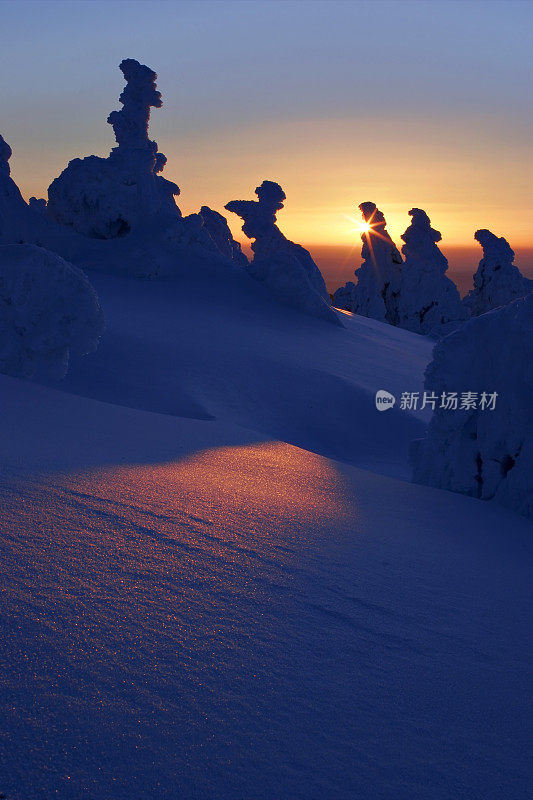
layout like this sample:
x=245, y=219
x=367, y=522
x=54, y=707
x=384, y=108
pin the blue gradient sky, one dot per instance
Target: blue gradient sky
x=403, y=103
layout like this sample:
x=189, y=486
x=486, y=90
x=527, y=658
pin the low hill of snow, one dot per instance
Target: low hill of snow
x=214, y=344
x=218, y=581
x=194, y=610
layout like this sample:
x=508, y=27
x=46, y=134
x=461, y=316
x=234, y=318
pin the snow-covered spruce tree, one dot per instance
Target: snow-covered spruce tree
x=498, y=280
x=48, y=312
x=105, y=198
x=286, y=268
x=343, y=296
x=5, y=155
x=37, y=204
x=375, y=294
x=11, y=200
x=474, y=450
x=18, y=223
x=428, y=301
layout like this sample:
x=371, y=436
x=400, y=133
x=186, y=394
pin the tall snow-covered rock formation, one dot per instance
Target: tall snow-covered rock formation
x=498, y=280
x=286, y=268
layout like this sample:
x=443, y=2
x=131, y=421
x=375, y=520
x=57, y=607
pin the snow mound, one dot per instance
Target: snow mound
x=428, y=301
x=375, y=294
x=286, y=268
x=477, y=451
x=498, y=280
x=48, y=311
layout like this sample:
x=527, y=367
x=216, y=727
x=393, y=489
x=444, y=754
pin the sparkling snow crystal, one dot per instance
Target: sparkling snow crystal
x=478, y=451
x=48, y=311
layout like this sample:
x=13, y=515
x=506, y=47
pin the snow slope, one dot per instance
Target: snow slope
x=219, y=346
x=218, y=583
x=192, y=610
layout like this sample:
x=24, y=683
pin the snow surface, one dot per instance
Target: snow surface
x=219, y=346
x=484, y=452
x=193, y=610
x=243, y=596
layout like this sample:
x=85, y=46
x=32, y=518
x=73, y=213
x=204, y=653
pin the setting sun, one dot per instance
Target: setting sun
x=359, y=227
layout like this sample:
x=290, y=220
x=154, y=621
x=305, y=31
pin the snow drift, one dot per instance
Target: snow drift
x=48, y=312
x=480, y=452
x=498, y=280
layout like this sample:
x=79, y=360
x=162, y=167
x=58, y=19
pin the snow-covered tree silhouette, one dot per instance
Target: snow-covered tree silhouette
x=375, y=294
x=498, y=280
x=48, y=312
x=483, y=448
x=428, y=301
x=106, y=197
x=286, y=268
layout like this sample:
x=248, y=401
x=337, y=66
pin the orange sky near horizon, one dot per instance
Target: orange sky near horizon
x=423, y=104
x=466, y=175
